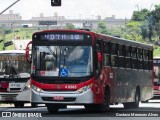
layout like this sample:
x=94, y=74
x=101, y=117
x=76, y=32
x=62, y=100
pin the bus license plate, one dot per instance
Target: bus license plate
x=58, y=98
x=14, y=85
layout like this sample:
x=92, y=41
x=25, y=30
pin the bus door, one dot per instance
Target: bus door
x=99, y=82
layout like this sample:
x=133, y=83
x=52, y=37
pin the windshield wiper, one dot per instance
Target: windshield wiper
x=52, y=51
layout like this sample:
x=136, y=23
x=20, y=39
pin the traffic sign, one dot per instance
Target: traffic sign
x=55, y=2
x=8, y=43
x=47, y=22
x=1, y=41
x=63, y=72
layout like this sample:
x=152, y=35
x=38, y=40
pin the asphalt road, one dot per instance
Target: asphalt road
x=146, y=111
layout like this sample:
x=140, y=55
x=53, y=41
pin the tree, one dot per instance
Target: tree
x=70, y=26
x=155, y=21
x=145, y=29
x=102, y=28
x=140, y=15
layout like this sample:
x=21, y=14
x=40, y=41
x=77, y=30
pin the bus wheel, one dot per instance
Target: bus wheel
x=134, y=104
x=90, y=107
x=52, y=108
x=21, y=105
x=17, y=105
x=34, y=105
x=106, y=105
x=100, y=107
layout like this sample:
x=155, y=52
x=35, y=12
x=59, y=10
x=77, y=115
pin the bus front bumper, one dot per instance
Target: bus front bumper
x=63, y=97
x=8, y=97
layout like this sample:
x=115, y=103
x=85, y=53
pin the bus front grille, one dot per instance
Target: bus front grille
x=66, y=99
x=15, y=89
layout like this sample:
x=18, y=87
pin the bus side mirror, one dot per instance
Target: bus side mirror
x=27, y=53
x=99, y=55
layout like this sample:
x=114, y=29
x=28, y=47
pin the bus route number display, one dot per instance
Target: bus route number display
x=52, y=37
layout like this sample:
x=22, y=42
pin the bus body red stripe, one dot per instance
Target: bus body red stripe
x=61, y=86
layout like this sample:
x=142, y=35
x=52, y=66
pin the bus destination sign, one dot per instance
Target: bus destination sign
x=52, y=37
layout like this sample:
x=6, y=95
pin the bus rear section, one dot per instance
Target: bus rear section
x=156, y=92
x=14, y=75
x=73, y=67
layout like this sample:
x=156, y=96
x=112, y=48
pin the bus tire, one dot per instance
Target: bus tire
x=90, y=107
x=106, y=105
x=34, y=105
x=21, y=105
x=18, y=105
x=134, y=104
x=53, y=108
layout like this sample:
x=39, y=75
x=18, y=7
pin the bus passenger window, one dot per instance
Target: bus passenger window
x=121, y=55
x=114, y=58
x=127, y=57
x=140, y=58
x=145, y=54
x=106, y=47
x=134, y=57
x=134, y=52
x=106, y=53
x=99, y=45
x=150, y=56
x=106, y=59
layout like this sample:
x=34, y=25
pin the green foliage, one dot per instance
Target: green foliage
x=156, y=51
x=144, y=27
x=102, y=28
x=20, y=33
x=150, y=22
x=140, y=15
x=70, y=26
x=7, y=31
x=133, y=24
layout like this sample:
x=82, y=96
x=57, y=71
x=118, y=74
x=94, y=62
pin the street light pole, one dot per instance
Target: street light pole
x=9, y=7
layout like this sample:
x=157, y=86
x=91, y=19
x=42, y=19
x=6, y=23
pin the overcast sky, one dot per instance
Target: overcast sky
x=78, y=8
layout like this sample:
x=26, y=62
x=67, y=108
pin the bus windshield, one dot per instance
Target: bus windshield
x=14, y=64
x=63, y=61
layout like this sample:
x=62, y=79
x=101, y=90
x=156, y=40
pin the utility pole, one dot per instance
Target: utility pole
x=9, y=7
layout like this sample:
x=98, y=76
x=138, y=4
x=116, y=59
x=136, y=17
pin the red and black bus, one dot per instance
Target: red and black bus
x=78, y=67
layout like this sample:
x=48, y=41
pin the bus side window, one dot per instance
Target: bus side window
x=150, y=57
x=145, y=54
x=106, y=54
x=134, y=58
x=99, y=45
x=114, y=58
x=140, y=58
x=127, y=57
x=98, y=65
x=121, y=56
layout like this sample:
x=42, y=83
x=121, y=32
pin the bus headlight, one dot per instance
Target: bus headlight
x=85, y=88
x=37, y=89
x=27, y=87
